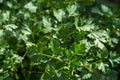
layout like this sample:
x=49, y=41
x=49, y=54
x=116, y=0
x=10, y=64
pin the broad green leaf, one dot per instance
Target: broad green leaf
x=77, y=23
x=67, y=54
x=115, y=40
x=6, y=15
x=29, y=44
x=1, y=1
x=96, y=10
x=101, y=35
x=106, y=10
x=99, y=44
x=10, y=27
x=79, y=36
x=1, y=33
x=72, y=10
x=59, y=14
x=9, y=4
x=17, y=58
x=24, y=37
x=31, y=7
x=87, y=76
x=79, y=49
x=102, y=66
x=47, y=25
x=88, y=27
x=117, y=60
x=54, y=45
x=1, y=70
x=26, y=30
x=113, y=54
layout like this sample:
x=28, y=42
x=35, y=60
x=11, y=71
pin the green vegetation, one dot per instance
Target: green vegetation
x=59, y=40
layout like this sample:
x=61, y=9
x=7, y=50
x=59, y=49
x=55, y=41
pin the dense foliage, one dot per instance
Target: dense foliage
x=59, y=40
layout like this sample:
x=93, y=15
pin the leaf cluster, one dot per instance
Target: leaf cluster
x=59, y=40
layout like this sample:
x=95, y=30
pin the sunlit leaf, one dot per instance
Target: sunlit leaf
x=99, y=44
x=96, y=10
x=1, y=33
x=115, y=40
x=87, y=76
x=72, y=10
x=59, y=14
x=106, y=10
x=10, y=27
x=9, y=4
x=102, y=66
x=47, y=25
x=1, y=1
x=6, y=16
x=31, y=7
x=117, y=60
x=87, y=27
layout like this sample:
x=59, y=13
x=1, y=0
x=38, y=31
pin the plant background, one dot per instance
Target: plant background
x=59, y=40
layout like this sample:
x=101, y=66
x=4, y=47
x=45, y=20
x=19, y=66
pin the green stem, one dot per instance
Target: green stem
x=52, y=57
x=29, y=74
x=23, y=71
